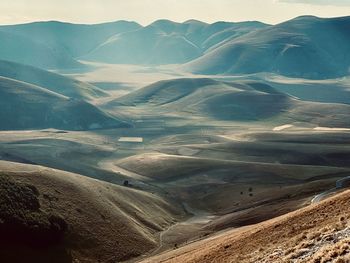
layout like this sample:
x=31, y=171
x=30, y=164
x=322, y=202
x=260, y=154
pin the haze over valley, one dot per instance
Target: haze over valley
x=175, y=142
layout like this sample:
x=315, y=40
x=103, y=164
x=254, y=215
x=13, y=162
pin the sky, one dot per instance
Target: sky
x=147, y=11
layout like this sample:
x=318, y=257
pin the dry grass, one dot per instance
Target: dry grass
x=338, y=252
x=106, y=223
x=317, y=233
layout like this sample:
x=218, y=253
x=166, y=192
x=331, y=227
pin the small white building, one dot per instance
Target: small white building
x=131, y=139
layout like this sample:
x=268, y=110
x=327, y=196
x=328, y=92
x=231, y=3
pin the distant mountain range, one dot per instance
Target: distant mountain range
x=167, y=42
x=306, y=46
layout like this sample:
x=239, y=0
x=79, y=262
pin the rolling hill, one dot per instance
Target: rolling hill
x=56, y=216
x=329, y=91
x=167, y=42
x=54, y=82
x=25, y=106
x=207, y=97
x=307, y=46
x=241, y=100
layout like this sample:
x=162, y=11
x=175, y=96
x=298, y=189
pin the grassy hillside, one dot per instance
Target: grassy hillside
x=54, y=82
x=241, y=100
x=207, y=97
x=25, y=106
x=307, y=47
x=65, y=217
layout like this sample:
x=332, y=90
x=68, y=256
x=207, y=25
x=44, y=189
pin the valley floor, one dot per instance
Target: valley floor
x=207, y=170
x=220, y=182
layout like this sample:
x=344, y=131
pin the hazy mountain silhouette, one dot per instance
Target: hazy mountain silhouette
x=306, y=46
x=167, y=42
x=32, y=52
x=75, y=39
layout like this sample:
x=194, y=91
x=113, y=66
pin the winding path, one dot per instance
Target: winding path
x=339, y=184
x=198, y=217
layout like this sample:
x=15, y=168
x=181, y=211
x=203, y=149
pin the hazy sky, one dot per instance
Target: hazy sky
x=146, y=11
